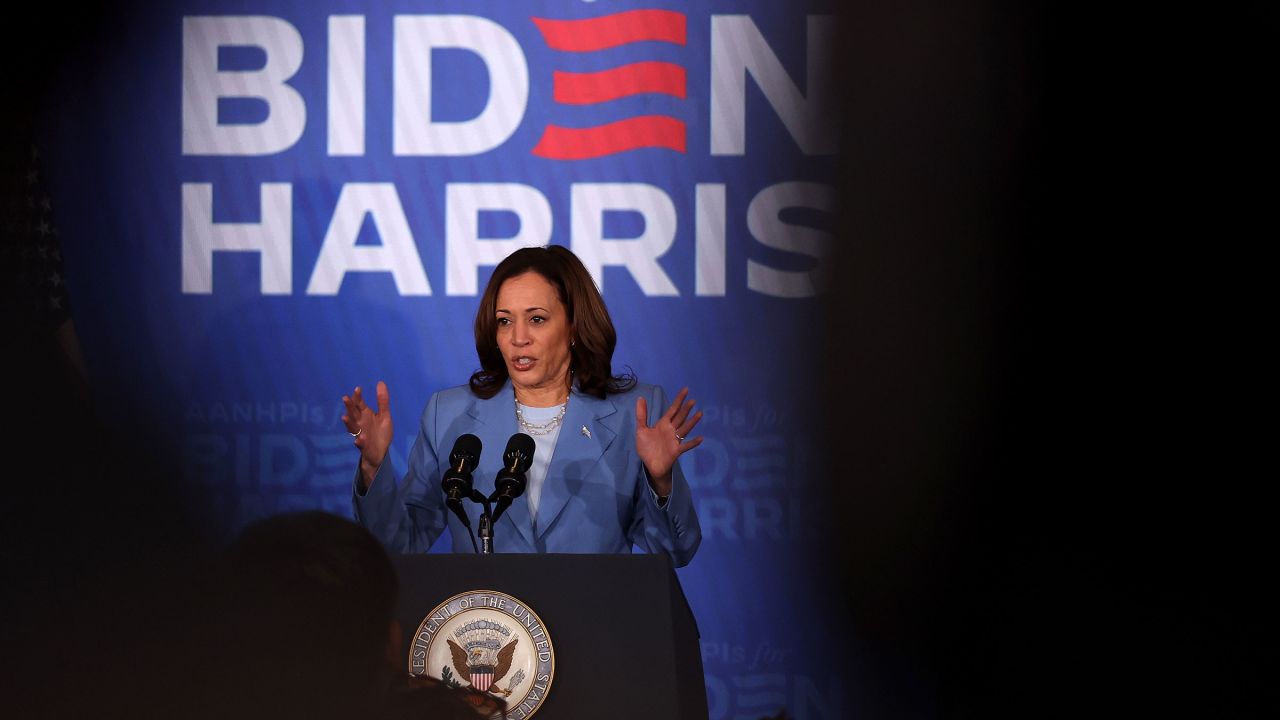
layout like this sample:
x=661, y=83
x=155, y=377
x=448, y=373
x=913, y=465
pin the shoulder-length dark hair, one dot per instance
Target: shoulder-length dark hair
x=591, y=328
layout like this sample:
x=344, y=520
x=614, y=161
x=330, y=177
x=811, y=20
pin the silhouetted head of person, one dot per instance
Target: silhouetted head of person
x=312, y=629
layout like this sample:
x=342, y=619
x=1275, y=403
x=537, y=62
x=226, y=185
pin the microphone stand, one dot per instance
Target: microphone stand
x=486, y=533
x=485, y=527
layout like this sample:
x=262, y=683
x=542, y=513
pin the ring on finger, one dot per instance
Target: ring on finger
x=356, y=433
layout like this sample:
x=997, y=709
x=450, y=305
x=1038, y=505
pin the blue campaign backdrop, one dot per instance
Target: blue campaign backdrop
x=264, y=204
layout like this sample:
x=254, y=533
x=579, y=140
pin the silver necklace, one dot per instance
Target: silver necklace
x=541, y=428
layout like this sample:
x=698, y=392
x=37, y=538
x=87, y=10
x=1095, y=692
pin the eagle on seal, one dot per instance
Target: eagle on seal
x=475, y=670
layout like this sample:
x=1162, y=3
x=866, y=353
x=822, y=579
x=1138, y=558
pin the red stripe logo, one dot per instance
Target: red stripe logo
x=560, y=143
x=638, y=78
x=634, y=79
x=609, y=31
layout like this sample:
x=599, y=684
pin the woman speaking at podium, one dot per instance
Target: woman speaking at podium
x=605, y=474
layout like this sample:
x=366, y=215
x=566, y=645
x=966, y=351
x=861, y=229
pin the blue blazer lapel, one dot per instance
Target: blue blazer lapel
x=495, y=424
x=600, y=418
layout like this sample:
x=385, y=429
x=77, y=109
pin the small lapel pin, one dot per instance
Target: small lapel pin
x=585, y=431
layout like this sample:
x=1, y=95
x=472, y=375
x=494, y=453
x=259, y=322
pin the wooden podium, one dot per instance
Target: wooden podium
x=626, y=644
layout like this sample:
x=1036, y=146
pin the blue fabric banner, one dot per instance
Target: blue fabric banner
x=265, y=204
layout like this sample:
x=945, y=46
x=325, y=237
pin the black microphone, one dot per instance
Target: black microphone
x=510, y=482
x=457, y=479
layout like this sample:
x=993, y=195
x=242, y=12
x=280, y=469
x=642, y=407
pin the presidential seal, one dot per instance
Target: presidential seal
x=489, y=641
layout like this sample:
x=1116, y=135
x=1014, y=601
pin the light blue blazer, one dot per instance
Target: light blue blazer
x=595, y=499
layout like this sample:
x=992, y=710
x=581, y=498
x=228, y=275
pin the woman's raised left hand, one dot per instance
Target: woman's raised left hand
x=660, y=445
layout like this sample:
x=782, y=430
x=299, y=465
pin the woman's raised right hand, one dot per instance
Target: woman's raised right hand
x=371, y=429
